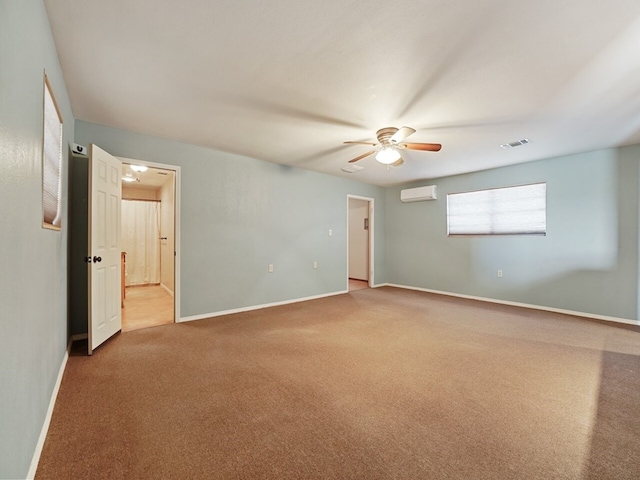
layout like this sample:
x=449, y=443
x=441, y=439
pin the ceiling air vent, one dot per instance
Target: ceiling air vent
x=519, y=143
x=352, y=168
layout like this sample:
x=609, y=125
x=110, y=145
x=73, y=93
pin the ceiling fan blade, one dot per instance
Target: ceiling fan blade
x=397, y=163
x=428, y=147
x=354, y=160
x=401, y=134
x=373, y=144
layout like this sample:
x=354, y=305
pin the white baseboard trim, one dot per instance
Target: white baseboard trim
x=592, y=316
x=79, y=336
x=170, y=292
x=258, y=307
x=47, y=419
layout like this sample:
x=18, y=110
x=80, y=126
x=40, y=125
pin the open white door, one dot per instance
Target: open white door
x=105, y=195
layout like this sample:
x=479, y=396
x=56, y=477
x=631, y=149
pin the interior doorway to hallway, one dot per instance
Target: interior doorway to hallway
x=360, y=242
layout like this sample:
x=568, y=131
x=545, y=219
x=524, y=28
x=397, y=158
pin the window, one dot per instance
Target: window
x=51, y=161
x=518, y=210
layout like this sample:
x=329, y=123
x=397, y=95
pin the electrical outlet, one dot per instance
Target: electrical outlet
x=499, y=273
x=271, y=268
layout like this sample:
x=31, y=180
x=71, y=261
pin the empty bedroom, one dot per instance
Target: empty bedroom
x=361, y=240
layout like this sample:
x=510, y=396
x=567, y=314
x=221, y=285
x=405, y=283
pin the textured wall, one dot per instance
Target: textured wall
x=238, y=215
x=32, y=260
x=588, y=261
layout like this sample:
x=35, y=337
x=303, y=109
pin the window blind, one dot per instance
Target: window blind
x=51, y=161
x=520, y=210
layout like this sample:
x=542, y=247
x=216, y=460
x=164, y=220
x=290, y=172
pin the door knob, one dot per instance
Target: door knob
x=87, y=259
x=97, y=259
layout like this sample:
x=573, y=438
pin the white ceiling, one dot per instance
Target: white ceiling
x=150, y=179
x=289, y=81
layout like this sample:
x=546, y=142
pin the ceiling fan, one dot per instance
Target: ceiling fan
x=390, y=142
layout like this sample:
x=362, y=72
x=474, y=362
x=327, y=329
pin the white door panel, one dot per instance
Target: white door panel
x=105, y=194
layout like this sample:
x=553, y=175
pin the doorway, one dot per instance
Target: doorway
x=149, y=244
x=360, y=242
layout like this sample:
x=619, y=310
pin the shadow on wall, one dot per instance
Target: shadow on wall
x=588, y=261
x=588, y=291
x=616, y=430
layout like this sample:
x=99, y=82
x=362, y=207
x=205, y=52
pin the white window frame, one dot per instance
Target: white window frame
x=514, y=210
x=51, y=161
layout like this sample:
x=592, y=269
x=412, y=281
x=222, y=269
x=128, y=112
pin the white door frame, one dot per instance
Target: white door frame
x=370, y=237
x=176, y=207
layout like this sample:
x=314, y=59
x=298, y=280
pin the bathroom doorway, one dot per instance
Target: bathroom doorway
x=149, y=245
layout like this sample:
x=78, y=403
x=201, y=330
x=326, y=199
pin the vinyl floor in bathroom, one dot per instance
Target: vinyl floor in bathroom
x=146, y=306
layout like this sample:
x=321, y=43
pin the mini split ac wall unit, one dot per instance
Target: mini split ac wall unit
x=419, y=194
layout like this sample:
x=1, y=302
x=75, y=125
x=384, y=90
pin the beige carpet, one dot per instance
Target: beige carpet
x=374, y=384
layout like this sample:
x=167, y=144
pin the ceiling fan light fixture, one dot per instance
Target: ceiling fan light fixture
x=388, y=155
x=139, y=168
x=390, y=142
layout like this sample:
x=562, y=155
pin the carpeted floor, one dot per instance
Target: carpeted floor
x=375, y=384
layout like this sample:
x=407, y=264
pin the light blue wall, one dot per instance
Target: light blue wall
x=587, y=262
x=32, y=259
x=238, y=215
